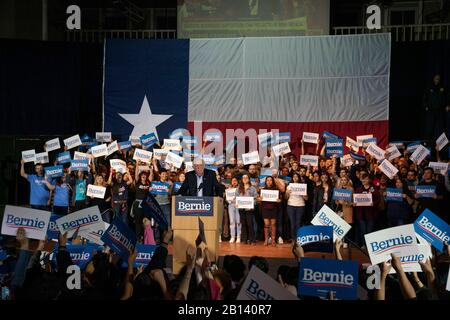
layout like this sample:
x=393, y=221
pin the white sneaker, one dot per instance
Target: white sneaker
x=270, y=240
x=220, y=239
x=238, y=240
x=232, y=240
x=280, y=240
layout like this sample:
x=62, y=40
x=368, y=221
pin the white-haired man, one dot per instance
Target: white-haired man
x=201, y=182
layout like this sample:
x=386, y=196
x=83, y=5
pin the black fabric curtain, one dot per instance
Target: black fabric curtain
x=413, y=65
x=50, y=87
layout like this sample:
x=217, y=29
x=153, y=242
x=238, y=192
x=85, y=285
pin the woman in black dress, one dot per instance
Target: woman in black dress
x=269, y=211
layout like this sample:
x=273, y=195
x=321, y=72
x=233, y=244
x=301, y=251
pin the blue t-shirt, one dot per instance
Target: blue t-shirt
x=39, y=193
x=80, y=193
x=61, y=195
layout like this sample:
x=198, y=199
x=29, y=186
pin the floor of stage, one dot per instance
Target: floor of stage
x=282, y=251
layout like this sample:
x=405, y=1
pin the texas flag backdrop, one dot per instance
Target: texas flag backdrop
x=338, y=84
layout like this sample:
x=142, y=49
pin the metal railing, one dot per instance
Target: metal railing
x=100, y=35
x=403, y=33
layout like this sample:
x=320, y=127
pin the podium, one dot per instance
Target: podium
x=185, y=214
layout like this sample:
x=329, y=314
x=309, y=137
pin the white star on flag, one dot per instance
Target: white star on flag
x=145, y=122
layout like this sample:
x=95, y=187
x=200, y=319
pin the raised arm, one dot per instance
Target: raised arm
x=22, y=169
x=183, y=289
x=48, y=184
x=405, y=286
x=385, y=269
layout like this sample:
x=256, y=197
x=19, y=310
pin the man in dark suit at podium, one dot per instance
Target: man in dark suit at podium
x=201, y=182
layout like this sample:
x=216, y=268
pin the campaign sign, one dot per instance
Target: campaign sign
x=52, y=145
x=96, y=191
x=172, y=144
x=194, y=206
x=174, y=160
x=360, y=139
x=112, y=147
x=29, y=156
x=269, y=195
x=315, y=238
x=265, y=138
x=94, y=235
x=306, y=160
x=392, y=153
x=152, y=209
x=381, y=244
x=388, y=169
x=328, y=135
x=99, y=151
x=135, y=141
x=42, y=158
x=53, y=231
x=442, y=141
x=425, y=191
x=54, y=172
x=147, y=140
x=299, y=189
x=120, y=238
x=412, y=146
x=124, y=145
x=35, y=222
x=64, y=157
x=118, y=165
x=283, y=137
x=419, y=154
x=103, y=136
x=81, y=156
x=72, y=142
x=347, y=160
x=79, y=254
x=319, y=277
x=310, y=137
x=342, y=194
x=230, y=194
x=334, y=147
x=438, y=167
x=260, y=286
x=362, y=199
x=190, y=140
x=159, y=153
x=144, y=256
x=411, y=257
x=209, y=158
x=393, y=194
x=250, y=158
x=160, y=188
x=176, y=186
x=85, y=219
x=142, y=155
x=352, y=144
x=212, y=136
x=245, y=202
x=79, y=165
x=327, y=217
x=433, y=229
x=189, y=166
x=281, y=149
x=375, y=151
x=368, y=141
